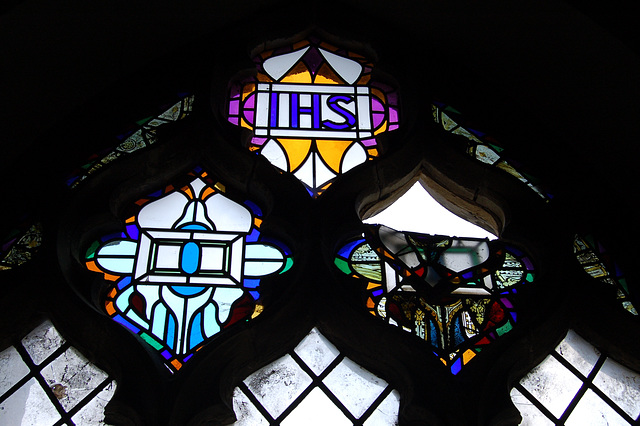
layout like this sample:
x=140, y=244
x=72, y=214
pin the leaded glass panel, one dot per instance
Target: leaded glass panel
x=187, y=266
x=314, y=111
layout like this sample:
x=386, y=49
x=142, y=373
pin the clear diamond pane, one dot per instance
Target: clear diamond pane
x=578, y=352
x=278, y=384
x=92, y=414
x=621, y=385
x=354, y=386
x=12, y=369
x=531, y=416
x=387, y=411
x=552, y=384
x=316, y=351
x=42, y=342
x=72, y=377
x=593, y=411
x=246, y=413
x=316, y=409
x=28, y=406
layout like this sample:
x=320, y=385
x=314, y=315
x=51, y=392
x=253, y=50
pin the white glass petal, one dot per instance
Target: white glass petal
x=316, y=351
x=305, y=172
x=278, y=384
x=346, y=68
x=117, y=265
x=261, y=268
x=163, y=213
x=354, y=156
x=119, y=247
x=273, y=152
x=227, y=215
x=418, y=211
x=354, y=386
x=262, y=251
x=225, y=297
x=278, y=66
x=323, y=173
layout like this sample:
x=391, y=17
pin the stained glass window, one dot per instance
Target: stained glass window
x=483, y=147
x=577, y=385
x=314, y=111
x=597, y=262
x=45, y=381
x=143, y=136
x=315, y=384
x=457, y=294
x=187, y=265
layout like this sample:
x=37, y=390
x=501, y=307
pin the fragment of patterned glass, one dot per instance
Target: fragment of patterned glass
x=454, y=293
x=598, y=263
x=481, y=146
x=19, y=246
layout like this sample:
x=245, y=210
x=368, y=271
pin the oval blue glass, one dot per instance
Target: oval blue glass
x=190, y=257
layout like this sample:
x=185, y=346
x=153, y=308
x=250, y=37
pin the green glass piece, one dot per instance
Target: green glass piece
x=91, y=251
x=288, y=264
x=342, y=265
x=504, y=329
x=151, y=341
x=529, y=277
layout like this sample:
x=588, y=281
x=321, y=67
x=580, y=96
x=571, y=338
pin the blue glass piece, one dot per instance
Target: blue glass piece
x=377, y=292
x=455, y=368
x=187, y=358
x=133, y=231
x=251, y=283
x=186, y=290
x=126, y=323
x=346, y=250
x=253, y=236
x=513, y=315
x=254, y=208
x=124, y=282
x=171, y=331
x=433, y=334
x=156, y=194
x=457, y=332
x=195, y=337
x=166, y=354
x=195, y=226
x=255, y=295
x=190, y=257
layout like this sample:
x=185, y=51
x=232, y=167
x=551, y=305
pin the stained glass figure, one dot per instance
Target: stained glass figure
x=187, y=266
x=143, y=136
x=314, y=111
x=483, y=147
x=45, y=381
x=577, y=385
x=315, y=384
x=598, y=263
x=19, y=246
x=457, y=294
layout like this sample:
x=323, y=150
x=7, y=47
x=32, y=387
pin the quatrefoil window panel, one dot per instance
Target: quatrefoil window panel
x=314, y=111
x=457, y=294
x=187, y=266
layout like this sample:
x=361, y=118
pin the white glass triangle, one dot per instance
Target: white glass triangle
x=348, y=69
x=305, y=172
x=273, y=152
x=278, y=66
x=354, y=156
x=323, y=173
x=418, y=211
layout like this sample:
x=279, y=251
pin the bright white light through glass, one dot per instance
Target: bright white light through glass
x=418, y=211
